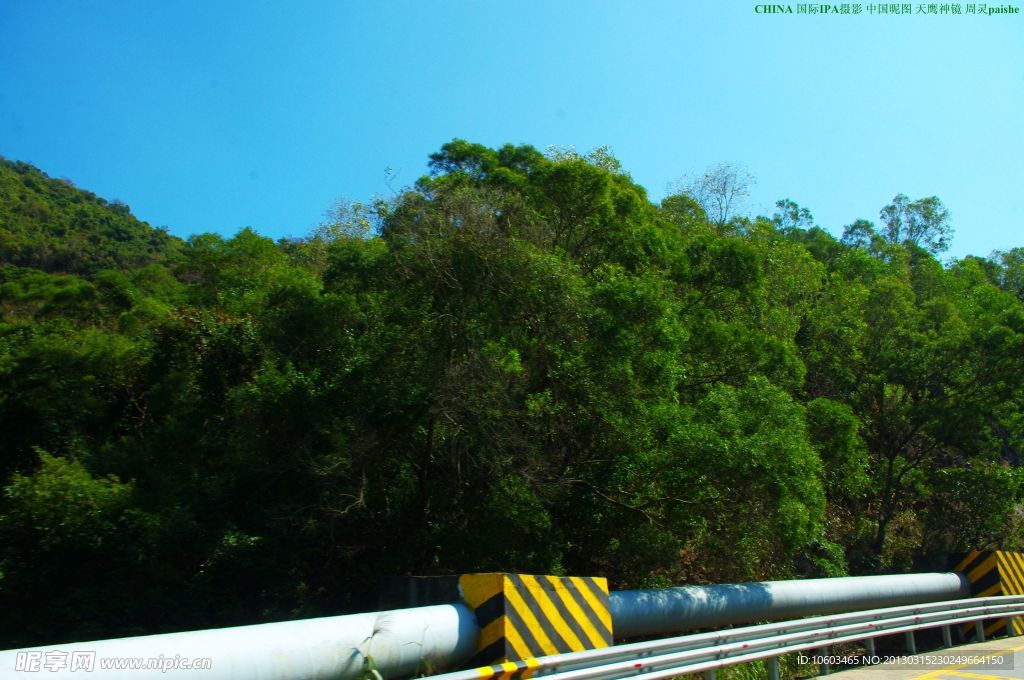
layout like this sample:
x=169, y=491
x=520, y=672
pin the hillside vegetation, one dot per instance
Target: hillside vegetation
x=520, y=364
x=50, y=225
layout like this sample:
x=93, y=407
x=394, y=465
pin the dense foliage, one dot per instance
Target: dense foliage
x=520, y=364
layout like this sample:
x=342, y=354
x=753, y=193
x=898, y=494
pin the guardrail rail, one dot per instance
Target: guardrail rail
x=707, y=652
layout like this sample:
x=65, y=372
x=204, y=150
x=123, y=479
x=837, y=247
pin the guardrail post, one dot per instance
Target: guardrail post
x=911, y=645
x=947, y=639
x=825, y=670
x=869, y=646
x=979, y=630
x=710, y=675
x=773, y=668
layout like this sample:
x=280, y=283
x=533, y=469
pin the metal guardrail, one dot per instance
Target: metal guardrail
x=706, y=652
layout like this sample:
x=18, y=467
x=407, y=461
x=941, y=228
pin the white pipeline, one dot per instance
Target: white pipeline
x=398, y=642
x=671, y=610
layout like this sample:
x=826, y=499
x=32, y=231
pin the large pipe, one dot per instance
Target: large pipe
x=671, y=610
x=398, y=642
x=404, y=641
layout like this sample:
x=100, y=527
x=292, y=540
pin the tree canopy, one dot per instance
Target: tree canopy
x=521, y=363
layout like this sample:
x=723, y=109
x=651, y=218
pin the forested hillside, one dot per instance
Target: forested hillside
x=48, y=224
x=522, y=364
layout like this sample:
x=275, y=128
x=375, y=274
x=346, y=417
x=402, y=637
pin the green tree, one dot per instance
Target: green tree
x=789, y=215
x=924, y=223
x=70, y=542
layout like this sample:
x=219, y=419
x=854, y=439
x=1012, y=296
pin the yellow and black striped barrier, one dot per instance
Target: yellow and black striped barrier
x=993, y=572
x=522, y=617
x=509, y=670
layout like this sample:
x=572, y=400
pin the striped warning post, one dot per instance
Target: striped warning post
x=994, y=572
x=522, y=617
x=1011, y=570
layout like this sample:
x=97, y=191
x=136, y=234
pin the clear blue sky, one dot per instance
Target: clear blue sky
x=215, y=115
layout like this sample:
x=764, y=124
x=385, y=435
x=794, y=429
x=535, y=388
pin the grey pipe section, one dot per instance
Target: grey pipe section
x=669, y=610
x=399, y=642
x=403, y=641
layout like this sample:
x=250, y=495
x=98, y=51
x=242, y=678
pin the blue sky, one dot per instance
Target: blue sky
x=215, y=115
